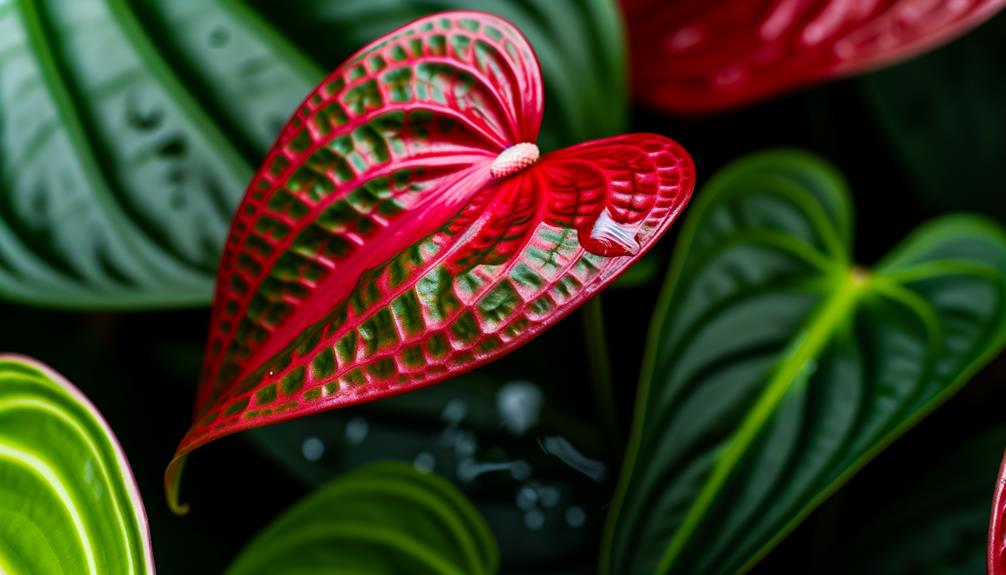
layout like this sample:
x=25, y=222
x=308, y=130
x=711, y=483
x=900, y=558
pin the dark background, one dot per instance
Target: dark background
x=141, y=369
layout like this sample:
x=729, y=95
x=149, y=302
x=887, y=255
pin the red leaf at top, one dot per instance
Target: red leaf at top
x=404, y=230
x=698, y=56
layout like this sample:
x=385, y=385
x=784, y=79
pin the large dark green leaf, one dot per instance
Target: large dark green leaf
x=128, y=130
x=945, y=119
x=776, y=367
x=385, y=518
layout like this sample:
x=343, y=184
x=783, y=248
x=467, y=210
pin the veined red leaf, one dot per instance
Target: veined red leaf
x=696, y=56
x=404, y=230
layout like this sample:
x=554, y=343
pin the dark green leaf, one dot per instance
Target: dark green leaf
x=776, y=368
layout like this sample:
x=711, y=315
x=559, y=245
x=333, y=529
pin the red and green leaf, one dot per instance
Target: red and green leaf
x=385, y=244
x=696, y=56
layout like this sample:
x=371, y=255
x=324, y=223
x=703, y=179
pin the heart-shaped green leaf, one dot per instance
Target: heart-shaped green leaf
x=128, y=131
x=68, y=502
x=776, y=368
x=383, y=518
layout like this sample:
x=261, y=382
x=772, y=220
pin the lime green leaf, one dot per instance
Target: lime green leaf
x=68, y=502
x=129, y=130
x=383, y=518
x=776, y=368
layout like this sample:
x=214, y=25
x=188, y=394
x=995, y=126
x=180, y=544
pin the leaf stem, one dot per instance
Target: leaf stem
x=599, y=365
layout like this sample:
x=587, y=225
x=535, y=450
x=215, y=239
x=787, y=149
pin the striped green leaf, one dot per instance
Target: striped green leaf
x=385, y=518
x=776, y=368
x=68, y=502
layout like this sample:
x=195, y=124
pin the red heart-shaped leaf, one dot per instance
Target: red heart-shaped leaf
x=697, y=56
x=404, y=230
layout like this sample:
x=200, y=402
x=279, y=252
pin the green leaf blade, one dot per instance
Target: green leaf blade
x=385, y=517
x=68, y=501
x=772, y=378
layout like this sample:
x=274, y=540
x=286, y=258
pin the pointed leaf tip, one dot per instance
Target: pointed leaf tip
x=376, y=251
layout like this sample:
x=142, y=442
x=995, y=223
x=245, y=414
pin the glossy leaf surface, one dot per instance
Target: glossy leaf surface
x=128, y=131
x=776, y=368
x=118, y=184
x=68, y=501
x=379, y=249
x=383, y=518
x=696, y=56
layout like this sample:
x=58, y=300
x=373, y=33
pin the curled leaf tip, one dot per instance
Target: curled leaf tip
x=173, y=485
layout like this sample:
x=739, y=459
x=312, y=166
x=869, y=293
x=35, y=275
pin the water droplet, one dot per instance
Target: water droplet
x=519, y=404
x=564, y=450
x=424, y=462
x=526, y=498
x=469, y=469
x=575, y=516
x=612, y=238
x=549, y=497
x=312, y=449
x=356, y=430
x=465, y=444
x=520, y=470
x=534, y=519
x=454, y=411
